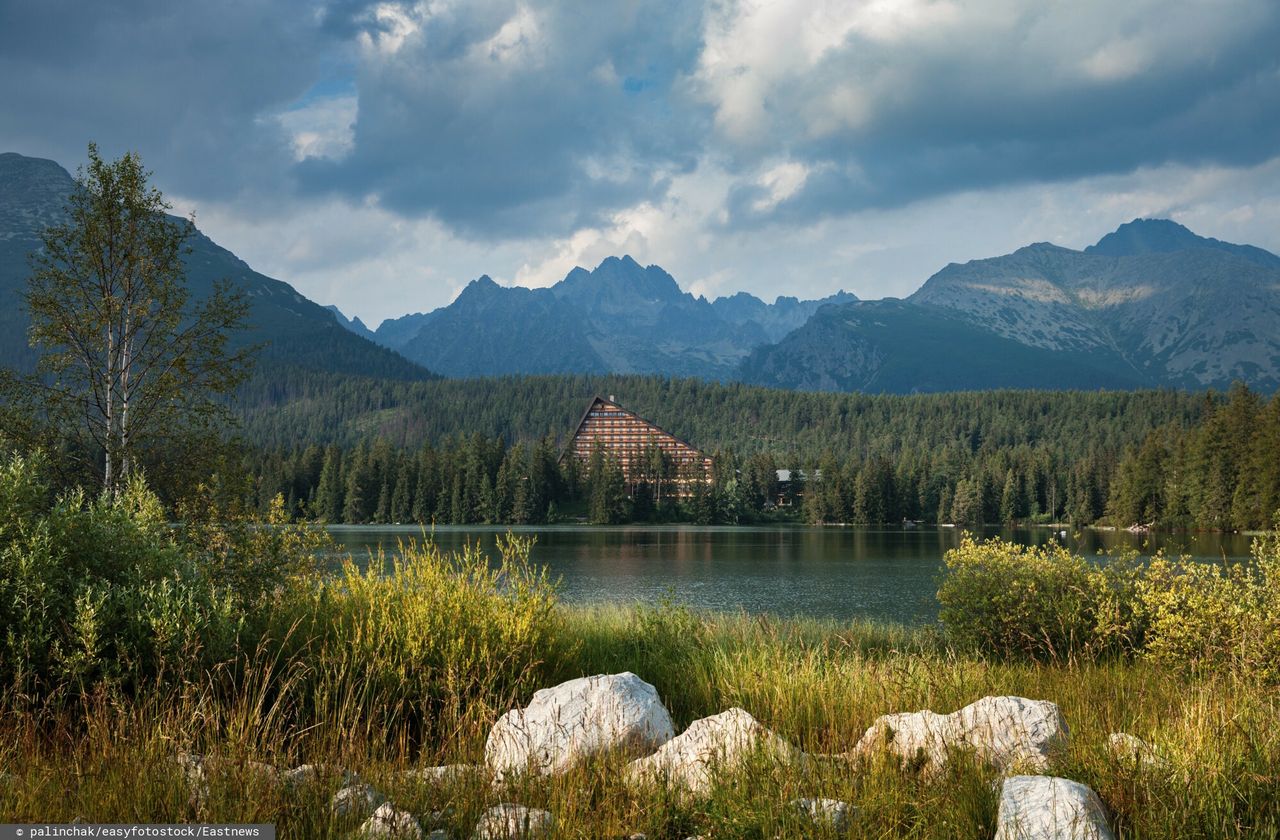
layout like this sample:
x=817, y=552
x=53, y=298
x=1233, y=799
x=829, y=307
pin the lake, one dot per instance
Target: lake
x=879, y=573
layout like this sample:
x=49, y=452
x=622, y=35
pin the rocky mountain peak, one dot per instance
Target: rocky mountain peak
x=1163, y=236
x=1147, y=236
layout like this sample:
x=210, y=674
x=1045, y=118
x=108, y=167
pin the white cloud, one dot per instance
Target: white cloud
x=394, y=25
x=518, y=44
x=781, y=182
x=321, y=127
x=1117, y=60
x=778, y=72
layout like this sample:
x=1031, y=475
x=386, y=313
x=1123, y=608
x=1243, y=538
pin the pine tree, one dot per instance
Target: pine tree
x=1009, y=499
x=328, y=502
x=401, y=497
x=354, y=498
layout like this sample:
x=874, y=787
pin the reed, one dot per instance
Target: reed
x=819, y=684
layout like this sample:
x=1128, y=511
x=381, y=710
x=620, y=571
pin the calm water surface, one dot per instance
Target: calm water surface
x=831, y=572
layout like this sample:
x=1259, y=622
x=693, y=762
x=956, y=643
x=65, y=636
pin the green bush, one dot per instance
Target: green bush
x=1220, y=618
x=1013, y=600
x=1046, y=603
x=94, y=589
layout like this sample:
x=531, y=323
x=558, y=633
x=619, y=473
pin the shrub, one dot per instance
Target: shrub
x=1045, y=603
x=94, y=589
x=1007, y=599
x=253, y=556
x=1220, y=618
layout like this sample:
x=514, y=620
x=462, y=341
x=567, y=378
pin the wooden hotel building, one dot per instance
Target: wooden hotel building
x=625, y=437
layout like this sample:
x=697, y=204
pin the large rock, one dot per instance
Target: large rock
x=577, y=719
x=1137, y=753
x=390, y=822
x=721, y=741
x=1049, y=808
x=1010, y=733
x=833, y=814
x=509, y=822
x=359, y=800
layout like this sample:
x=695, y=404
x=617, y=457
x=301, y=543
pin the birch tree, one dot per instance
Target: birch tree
x=128, y=361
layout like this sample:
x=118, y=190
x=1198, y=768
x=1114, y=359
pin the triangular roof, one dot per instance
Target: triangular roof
x=599, y=400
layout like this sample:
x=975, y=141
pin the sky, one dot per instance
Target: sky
x=380, y=155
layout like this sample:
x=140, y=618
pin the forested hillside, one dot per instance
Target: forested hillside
x=487, y=450
x=1223, y=473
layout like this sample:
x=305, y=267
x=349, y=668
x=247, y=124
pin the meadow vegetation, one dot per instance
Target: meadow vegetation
x=127, y=639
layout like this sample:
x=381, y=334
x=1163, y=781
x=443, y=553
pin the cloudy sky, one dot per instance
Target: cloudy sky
x=379, y=155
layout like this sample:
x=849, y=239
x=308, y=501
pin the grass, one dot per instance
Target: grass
x=108, y=758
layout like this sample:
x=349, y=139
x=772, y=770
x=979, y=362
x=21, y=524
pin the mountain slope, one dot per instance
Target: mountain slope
x=620, y=317
x=1151, y=304
x=777, y=319
x=1186, y=310
x=293, y=329
x=1162, y=236
x=355, y=325
x=892, y=346
x=492, y=330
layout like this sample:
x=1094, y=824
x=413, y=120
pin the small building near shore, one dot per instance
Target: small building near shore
x=630, y=440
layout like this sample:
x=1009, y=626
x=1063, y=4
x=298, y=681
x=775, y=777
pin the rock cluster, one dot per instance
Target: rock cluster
x=620, y=713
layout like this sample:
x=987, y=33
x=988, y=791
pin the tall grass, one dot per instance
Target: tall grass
x=818, y=684
x=407, y=663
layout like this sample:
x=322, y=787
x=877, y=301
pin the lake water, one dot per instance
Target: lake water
x=881, y=573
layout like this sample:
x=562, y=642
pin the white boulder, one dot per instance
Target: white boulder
x=1135, y=752
x=721, y=741
x=509, y=822
x=1050, y=808
x=359, y=800
x=577, y=719
x=390, y=822
x=833, y=814
x=1009, y=733
x=444, y=774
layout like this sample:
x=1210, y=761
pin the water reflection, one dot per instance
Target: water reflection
x=833, y=572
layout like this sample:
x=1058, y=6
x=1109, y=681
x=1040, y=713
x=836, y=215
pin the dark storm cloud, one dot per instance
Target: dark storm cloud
x=499, y=117
x=502, y=118
x=186, y=84
x=970, y=115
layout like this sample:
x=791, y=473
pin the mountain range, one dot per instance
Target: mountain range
x=1151, y=304
x=620, y=317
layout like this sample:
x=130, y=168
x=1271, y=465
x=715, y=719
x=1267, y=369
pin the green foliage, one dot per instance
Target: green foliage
x=430, y=636
x=1008, y=599
x=127, y=364
x=256, y=556
x=99, y=589
x=1220, y=618
x=896, y=457
x=1048, y=604
x=1221, y=473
